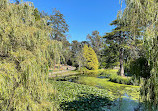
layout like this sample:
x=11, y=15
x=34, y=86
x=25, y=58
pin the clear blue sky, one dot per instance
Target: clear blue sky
x=83, y=16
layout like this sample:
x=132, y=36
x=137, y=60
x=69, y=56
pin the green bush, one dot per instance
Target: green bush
x=114, y=77
x=140, y=68
x=121, y=80
x=83, y=70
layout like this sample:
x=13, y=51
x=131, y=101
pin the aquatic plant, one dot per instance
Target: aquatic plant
x=77, y=97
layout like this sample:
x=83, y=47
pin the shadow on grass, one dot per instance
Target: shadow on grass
x=86, y=102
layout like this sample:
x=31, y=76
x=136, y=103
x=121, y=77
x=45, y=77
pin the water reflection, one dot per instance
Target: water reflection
x=126, y=103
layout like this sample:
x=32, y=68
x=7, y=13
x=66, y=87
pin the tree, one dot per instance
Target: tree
x=17, y=2
x=59, y=29
x=82, y=43
x=96, y=42
x=58, y=25
x=90, y=57
x=80, y=59
x=120, y=36
x=143, y=14
x=74, y=50
x=25, y=52
x=109, y=54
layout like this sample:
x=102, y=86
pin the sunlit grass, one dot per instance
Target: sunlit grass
x=113, y=88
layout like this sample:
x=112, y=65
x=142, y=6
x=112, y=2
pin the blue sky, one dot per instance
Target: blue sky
x=83, y=16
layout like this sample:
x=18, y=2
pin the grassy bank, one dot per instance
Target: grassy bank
x=113, y=88
x=113, y=76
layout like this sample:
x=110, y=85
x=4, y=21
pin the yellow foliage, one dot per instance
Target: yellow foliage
x=25, y=52
x=90, y=57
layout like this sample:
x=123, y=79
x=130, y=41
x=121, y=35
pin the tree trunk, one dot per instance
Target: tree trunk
x=121, y=62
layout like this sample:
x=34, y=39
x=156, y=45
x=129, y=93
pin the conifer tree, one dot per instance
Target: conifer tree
x=90, y=57
x=119, y=37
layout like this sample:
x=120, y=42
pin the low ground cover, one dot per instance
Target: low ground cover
x=113, y=88
x=77, y=97
x=90, y=92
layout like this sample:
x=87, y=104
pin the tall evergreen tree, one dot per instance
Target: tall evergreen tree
x=119, y=36
x=109, y=54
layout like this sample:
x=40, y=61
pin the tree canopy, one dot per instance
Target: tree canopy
x=25, y=49
x=142, y=14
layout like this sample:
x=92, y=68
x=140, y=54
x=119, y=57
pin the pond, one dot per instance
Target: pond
x=122, y=97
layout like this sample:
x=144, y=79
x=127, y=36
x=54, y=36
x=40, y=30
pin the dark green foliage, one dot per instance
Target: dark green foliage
x=110, y=55
x=140, y=68
x=37, y=14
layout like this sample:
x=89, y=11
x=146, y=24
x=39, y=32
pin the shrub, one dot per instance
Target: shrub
x=114, y=77
x=140, y=68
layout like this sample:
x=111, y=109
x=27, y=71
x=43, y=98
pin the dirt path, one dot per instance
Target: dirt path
x=68, y=70
x=62, y=75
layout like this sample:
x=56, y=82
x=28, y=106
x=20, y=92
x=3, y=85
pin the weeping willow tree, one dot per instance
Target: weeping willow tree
x=143, y=14
x=26, y=52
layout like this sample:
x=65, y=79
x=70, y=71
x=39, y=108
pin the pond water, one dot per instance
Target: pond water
x=124, y=104
x=123, y=94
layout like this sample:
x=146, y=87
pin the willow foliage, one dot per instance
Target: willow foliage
x=144, y=15
x=25, y=49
